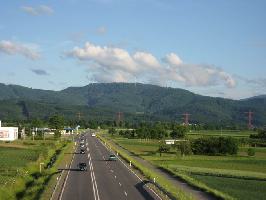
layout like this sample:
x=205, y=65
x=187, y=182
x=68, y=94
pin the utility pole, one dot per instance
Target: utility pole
x=186, y=118
x=250, y=117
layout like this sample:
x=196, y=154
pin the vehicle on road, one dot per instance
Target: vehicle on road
x=82, y=166
x=112, y=157
x=82, y=146
x=82, y=151
x=93, y=134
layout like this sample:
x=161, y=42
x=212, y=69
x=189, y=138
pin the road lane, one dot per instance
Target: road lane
x=104, y=179
x=128, y=184
x=78, y=185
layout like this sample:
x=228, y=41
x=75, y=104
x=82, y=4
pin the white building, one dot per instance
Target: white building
x=173, y=141
x=8, y=133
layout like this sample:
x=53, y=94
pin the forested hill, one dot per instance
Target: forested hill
x=137, y=101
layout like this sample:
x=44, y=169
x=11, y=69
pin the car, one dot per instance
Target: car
x=82, y=145
x=93, y=134
x=82, y=166
x=112, y=157
x=82, y=151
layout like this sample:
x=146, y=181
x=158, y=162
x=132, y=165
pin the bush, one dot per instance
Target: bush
x=112, y=131
x=215, y=146
x=184, y=147
x=163, y=148
x=178, y=132
x=261, y=135
x=251, y=152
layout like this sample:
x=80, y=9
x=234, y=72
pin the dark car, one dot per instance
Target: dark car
x=82, y=166
x=82, y=151
x=112, y=157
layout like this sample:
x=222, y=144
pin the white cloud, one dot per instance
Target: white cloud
x=173, y=59
x=110, y=64
x=12, y=48
x=39, y=10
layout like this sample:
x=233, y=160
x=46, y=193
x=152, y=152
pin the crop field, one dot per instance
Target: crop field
x=238, y=188
x=18, y=160
x=12, y=161
x=240, y=176
x=217, y=133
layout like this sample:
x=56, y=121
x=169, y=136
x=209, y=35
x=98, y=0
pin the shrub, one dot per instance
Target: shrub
x=215, y=146
x=112, y=131
x=163, y=148
x=184, y=147
x=178, y=132
x=251, y=152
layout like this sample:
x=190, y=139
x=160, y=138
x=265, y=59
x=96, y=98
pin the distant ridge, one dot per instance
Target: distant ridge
x=100, y=101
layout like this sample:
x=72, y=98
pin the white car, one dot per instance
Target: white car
x=93, y=134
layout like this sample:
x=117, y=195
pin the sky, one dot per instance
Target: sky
x=213, y=48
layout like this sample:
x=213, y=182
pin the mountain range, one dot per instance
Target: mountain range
x=102, y=101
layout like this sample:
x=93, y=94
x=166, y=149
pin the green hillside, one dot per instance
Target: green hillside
x=142, y=101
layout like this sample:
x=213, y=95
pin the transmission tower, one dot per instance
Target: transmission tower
x=186, y=118
x=250, y=117
x=119, y=117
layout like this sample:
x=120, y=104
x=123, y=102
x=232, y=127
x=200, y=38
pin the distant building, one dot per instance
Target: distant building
x=67, y=131
x=173, y=141
x=8, y=133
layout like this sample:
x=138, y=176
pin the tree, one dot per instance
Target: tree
x=163, y=148
x=57, y=122
x=261, y=134
x=184, y=147
x=112, y=131
x=37, y=123
x=215, y=146
x=178, y=132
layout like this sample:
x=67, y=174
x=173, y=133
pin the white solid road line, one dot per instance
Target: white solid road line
x=93, y=179
x=131, y=171
x=93, y=188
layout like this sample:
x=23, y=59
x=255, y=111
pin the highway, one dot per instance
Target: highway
x=103, y=179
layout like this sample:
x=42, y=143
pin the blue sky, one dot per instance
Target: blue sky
x=214, y=48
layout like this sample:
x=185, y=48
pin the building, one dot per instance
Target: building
x=67, y=131
x=8, y=133
x=173, y=141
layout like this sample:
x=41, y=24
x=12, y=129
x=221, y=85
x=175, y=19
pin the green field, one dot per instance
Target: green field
x=227, y=174
x=19, y=167
x=218, y=133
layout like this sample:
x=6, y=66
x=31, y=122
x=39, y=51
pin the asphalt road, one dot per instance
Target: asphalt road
x=103, y=179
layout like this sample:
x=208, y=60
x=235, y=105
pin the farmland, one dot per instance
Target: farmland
x=240, y=176
x=19, y=167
